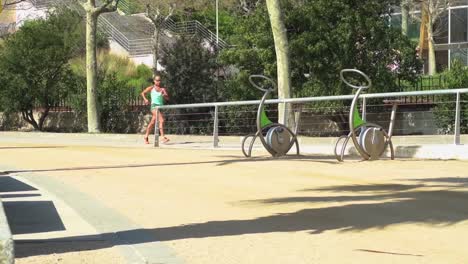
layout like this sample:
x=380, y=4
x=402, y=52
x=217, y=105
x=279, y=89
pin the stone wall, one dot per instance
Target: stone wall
x=134, y=122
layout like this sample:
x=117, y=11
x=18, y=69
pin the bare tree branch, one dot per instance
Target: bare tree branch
x=12, y=2
x=158, y=20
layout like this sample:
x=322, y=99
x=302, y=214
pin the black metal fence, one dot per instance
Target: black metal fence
x=423, y=83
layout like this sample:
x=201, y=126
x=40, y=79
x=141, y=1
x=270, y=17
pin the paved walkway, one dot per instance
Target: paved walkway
x=423, y=147
x=110, y=199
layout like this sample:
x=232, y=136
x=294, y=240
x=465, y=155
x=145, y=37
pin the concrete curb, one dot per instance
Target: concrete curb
x=7, y=253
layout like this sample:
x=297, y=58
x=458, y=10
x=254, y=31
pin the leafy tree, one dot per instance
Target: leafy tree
x=102, y=41
x=324, y=38
x=189, y=68
x=253, y=53
x=183, y=7
x=34, y=65
x=189, y=71
x=359, y=38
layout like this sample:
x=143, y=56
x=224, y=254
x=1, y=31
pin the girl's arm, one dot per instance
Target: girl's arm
x=148, y=89
x=165, y=94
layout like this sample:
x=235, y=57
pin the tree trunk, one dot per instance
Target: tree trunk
x=43, y=117
x=91, y=73
x=92, y=14
x=155, y=50
x=28, y=116
x=282, y=59
x=158, y=22
x=431, y=49
x=404, y=17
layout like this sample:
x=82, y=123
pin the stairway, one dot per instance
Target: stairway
x=134, y=33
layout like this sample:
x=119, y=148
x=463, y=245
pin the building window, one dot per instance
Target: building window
x=395, y=21
x=441, y=60
x=459, y=2
x=441, y=29
x=459, y=25
x=414, y=26
x=459, y=54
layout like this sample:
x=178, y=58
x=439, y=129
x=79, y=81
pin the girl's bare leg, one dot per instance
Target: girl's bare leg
x=161, y=127
x=150, y=125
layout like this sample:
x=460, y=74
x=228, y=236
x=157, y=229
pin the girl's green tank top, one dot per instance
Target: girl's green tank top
x=156, y=97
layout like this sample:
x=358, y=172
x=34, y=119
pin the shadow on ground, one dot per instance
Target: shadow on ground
x=221, y=162
x=9, y=184
x=362, y=209
x=26, y=217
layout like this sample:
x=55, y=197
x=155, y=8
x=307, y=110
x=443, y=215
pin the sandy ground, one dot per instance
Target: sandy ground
x=218, y=207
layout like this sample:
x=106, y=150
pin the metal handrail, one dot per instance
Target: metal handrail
x=144, y=45
x=216, y=105
x=319, y=98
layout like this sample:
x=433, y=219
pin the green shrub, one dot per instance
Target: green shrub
x=112, y=98
x=119, y=81
x=189, y=78
x=456, y=77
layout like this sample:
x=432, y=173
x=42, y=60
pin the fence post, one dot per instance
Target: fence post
x=363, y=112
x=285, y=115
x=215, y=128
x=457, y=121
x=156, y=129
x=364, y=108
x=392, y=119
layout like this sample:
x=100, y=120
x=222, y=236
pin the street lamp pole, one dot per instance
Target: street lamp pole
x=217, y=50
x=217, y=21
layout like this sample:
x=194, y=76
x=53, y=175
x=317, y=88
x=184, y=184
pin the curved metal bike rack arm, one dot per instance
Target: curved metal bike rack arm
x=373, y=140
x=261, y=127
x=352, y=130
